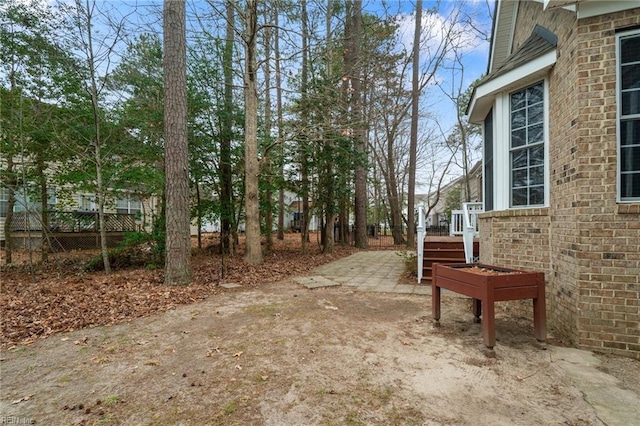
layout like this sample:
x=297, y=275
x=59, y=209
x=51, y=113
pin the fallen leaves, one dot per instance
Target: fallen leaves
x=67, y=299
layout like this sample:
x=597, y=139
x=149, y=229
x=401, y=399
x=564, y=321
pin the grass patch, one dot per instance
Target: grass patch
x=230, y=408
x=110, y=400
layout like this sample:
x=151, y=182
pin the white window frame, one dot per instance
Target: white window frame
x=527, y=146
x=620, y=198
x=129, y=200
x=87, y=203
x=502, y=149
x=4, y=198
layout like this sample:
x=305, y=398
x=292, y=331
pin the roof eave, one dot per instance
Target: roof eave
x=485, y=93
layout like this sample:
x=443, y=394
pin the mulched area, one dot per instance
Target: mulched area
x=59, y=296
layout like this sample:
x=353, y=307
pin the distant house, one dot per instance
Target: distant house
x=458, y=188
x=560, y=107
x=73, y=223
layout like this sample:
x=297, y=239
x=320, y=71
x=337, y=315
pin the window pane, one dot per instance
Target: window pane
x=535, y=133
x=518, y=138
x=519, y=159
x=630, y=48
x=630, y=76
x=518, y=119
x=527, y=164
x=534, y=94
x=536, y=114
x=631, y=102
x=519, y=178
x=517, y=100
x=630, y=159
x=630, y=185
x=630, y=132
x=519, y=197
x=536, y=175
x=536, y=195
x=536, y=155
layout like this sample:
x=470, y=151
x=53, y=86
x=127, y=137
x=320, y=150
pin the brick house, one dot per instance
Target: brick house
x=560, y=106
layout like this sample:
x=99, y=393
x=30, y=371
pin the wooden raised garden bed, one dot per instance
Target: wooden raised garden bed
x=487, y=284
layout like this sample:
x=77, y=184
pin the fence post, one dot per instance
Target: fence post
x=420, y=241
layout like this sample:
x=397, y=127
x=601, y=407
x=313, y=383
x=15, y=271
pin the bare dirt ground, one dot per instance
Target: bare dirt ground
x=276, y=353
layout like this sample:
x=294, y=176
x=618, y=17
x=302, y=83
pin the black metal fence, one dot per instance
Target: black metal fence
x=380, y=237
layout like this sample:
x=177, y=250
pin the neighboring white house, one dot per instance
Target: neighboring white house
x=437, y=216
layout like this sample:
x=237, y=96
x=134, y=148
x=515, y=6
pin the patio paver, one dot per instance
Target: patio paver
x=369, y=271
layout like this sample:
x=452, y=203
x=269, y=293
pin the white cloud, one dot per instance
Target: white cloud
x=436, y=28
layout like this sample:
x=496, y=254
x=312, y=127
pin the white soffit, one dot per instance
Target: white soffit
x=525, y=74
x=589, y=8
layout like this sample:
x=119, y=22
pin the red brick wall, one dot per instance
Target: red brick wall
x=609, y=253
x=587, y=244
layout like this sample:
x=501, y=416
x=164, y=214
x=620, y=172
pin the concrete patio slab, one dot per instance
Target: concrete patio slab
x=315, y=281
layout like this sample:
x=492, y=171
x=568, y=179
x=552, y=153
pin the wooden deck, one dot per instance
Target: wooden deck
x=444, y=250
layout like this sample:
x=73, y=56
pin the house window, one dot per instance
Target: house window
x=629, y=116
x=128, y=206
x=87, y=203
x=4, y=201
x=527, y=146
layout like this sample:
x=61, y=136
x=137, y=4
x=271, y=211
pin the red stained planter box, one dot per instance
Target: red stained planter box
x=488, y=284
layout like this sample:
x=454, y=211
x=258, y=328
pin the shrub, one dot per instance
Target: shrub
x=137, y=249
x=410, y=259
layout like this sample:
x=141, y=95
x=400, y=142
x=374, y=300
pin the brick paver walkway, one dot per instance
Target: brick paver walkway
x=377, y=271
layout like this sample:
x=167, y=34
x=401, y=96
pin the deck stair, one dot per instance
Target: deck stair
x=443, y=250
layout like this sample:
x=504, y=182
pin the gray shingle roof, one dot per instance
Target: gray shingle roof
x=539, y=42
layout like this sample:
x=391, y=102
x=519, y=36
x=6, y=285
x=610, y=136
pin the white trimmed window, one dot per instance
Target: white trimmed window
x=128, y=206
x=4, y=201
x=629, y=116
x=526, y=145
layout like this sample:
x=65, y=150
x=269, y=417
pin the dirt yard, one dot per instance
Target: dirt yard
x=280, y=354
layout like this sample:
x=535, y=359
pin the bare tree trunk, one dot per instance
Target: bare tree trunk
x=304, y=117
x=394, y=204
x=413, y=146
x=281, y=206
x=198, y=213
x=44, y=212
x=328, y=240
x=97, y=143
x=268, y=210
x=226, y=178
x=253, y=251
x=178, y=241
x=10, y=184
x=352, y=62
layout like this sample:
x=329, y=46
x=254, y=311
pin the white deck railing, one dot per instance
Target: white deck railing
x=470, y=230
x=463, y=223
x=421, y=231
x=456, y=226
